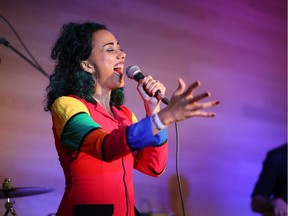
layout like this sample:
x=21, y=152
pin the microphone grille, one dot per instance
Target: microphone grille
x=132, y=70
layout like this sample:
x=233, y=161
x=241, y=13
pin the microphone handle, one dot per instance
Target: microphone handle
x=163, y=98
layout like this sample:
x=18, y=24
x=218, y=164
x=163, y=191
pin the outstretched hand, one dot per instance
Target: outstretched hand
x=183, y=104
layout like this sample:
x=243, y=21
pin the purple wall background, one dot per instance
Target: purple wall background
x=237, y=49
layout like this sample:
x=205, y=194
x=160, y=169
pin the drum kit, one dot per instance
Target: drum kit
x=7, y=192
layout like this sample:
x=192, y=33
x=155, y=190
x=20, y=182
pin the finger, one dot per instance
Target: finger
x=157, y=86
x=191, y=88
x=181, y=87
x=145, y=83
x=149, y=83
x=199, y=106
x=199, y=97
x=152, y=86
x=200, y=113
x=210, y=104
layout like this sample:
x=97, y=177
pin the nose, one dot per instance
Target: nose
x=121, y=54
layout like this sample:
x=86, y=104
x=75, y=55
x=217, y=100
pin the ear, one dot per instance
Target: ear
x=86, y=66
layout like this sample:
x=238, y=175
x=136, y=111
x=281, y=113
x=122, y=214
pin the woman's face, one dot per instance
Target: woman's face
x=106, y=60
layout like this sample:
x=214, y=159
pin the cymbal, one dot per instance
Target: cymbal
x=22, y=191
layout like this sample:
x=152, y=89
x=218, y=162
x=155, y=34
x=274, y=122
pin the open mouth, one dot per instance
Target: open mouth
x=118, y=71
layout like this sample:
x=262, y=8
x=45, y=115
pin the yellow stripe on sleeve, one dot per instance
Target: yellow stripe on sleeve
x=63, y=109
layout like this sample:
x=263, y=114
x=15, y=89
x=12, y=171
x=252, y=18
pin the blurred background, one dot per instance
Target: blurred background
x=236, y=49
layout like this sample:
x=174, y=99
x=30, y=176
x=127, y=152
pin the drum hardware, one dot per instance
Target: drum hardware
x=7, y=192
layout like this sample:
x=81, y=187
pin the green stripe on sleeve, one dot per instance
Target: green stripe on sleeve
x=76, y=130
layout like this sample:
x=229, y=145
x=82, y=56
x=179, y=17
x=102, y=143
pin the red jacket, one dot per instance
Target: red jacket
x=97, y=154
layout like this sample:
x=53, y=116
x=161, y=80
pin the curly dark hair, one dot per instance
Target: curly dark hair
x=73, y=46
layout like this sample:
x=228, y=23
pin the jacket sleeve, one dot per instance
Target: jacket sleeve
x=78, y=131
x=152, y=160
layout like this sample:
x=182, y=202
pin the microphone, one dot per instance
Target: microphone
x=134, y=72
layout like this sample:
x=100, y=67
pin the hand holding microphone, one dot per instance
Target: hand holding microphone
x=134, y=72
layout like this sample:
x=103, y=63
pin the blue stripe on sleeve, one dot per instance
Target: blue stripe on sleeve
x=139, y=135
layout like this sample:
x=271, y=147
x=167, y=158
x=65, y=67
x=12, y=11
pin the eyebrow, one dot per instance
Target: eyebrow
x=110, y=43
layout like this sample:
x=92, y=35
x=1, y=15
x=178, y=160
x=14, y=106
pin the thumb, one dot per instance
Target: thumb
x=181, y=87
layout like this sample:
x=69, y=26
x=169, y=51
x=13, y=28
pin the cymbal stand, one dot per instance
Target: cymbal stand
x=9, y=207
x=9, y=204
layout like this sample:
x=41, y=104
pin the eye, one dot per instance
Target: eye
x=110, y=49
